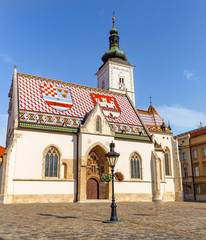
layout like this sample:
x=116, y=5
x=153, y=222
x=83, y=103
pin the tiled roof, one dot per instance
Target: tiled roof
x=55, y=103
x=152, y=119
x=198, y=132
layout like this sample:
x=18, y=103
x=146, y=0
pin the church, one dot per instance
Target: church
x=59, y=132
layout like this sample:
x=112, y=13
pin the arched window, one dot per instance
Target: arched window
x=135, y=162
x=98, y=124
x=51, y=162
x=167, y=162
x=103, y=83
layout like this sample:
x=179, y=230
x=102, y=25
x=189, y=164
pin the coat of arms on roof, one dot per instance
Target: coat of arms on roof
x=56, y=97
x=108, y=104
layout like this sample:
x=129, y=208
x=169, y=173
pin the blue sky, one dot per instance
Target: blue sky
x=65, y=40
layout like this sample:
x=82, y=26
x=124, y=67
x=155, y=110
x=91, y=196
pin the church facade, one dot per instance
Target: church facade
x=59, y=132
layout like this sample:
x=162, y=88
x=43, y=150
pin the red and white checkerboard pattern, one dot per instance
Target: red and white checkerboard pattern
x=30, y=98
x=150, y=119
x=48, y=90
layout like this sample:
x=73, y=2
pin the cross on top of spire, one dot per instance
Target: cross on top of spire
x=113, y=19
x=150, y=99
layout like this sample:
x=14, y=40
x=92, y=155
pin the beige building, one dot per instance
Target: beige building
x=192, y=149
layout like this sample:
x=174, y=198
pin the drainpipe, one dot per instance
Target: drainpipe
x=77, y=180
x=193, y=185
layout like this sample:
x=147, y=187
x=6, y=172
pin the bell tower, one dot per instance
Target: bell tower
x=116, y=73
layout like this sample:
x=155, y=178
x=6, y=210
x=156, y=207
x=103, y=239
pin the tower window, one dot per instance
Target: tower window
x=121, y=80
x=103, y=84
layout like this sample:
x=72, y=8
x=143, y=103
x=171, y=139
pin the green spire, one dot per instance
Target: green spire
x=114, y=51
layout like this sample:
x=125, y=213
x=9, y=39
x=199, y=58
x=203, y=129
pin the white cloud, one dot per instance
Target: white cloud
x=189, y=75
x=3, y=128
x=181, y=119
x=6, y=58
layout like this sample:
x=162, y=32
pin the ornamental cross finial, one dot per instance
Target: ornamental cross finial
x=150, y=98
x=113, y=19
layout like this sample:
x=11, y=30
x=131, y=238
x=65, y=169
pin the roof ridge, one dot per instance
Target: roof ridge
x=71, y=84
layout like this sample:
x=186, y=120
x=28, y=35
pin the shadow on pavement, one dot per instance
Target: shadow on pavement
x=51, y=215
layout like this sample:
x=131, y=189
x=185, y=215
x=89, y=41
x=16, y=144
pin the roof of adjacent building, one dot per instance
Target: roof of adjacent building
x=193, y=133
x=152, y=120
x=51, y=104
x=198, y=132
x=2, y=150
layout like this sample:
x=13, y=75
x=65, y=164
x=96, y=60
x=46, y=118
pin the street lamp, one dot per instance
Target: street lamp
x=112, y=158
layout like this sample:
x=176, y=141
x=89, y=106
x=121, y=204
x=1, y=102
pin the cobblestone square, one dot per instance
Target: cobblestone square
x=173, y=220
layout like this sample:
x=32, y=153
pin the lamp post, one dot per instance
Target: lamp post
x=112, y=158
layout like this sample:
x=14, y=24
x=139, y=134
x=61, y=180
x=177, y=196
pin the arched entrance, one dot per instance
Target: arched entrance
x=97, y=165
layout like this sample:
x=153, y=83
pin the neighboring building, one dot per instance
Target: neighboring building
x=59, y=132
x=2, y=150
x=192, y=149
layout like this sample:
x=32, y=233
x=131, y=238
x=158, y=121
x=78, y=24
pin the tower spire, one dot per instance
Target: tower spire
x=114, y=51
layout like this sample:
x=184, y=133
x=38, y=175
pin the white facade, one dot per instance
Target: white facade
x=24, y=181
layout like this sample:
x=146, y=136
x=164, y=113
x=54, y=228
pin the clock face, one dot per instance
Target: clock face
x=121, y=86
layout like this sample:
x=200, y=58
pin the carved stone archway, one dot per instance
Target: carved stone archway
x=96, y=166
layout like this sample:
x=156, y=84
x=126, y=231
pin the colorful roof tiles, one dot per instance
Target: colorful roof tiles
x=2, y=150
x=49, y=102
x=152, y=120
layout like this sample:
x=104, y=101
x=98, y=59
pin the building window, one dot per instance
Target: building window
x=167, y=163
x=98, y=124
x=51, y=162
x=135, y=166
x=194, y=153
x=198, y=189
x=185, y=172
x=196, y=171
x=184, y=156
x=205, y=169
x=204, y=152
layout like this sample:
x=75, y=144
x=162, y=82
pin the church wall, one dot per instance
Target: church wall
x=134, y=189
x=30, y=150
x=166, y=141
x=126, y=148
x=172, y=188
x=26, y=168
x=44, y=187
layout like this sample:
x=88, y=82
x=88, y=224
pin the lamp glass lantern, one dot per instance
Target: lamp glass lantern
x=112, y=156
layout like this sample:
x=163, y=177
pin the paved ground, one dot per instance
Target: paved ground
x=174, y=220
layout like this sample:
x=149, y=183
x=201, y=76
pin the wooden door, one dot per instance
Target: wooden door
x=92, y=189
